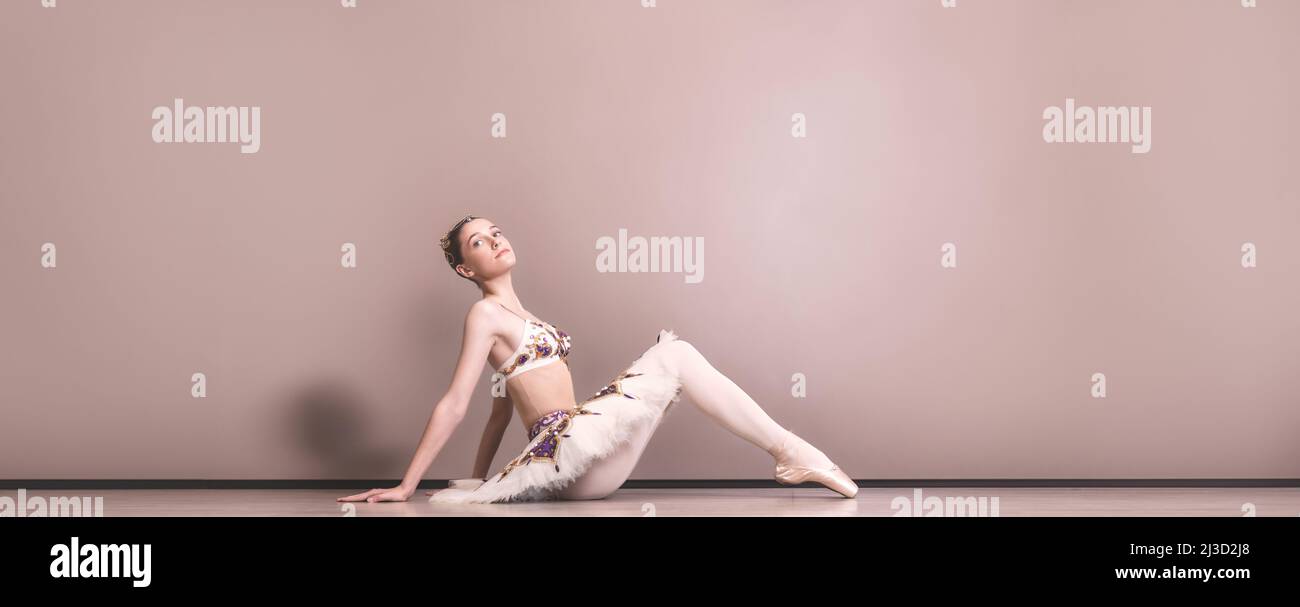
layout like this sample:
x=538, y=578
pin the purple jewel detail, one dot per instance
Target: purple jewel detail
x=544, y=421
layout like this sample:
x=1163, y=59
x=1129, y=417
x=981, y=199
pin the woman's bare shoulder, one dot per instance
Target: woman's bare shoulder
x=482, y=314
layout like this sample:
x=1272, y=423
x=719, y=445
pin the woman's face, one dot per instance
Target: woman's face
x=485, y=249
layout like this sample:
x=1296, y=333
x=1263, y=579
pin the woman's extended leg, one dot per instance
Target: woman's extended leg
x=728, y=405
x=721, y=399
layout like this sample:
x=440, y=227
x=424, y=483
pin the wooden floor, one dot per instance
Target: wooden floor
x=707, y=502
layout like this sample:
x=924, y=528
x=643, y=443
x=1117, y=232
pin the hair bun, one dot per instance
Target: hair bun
x=447, y=244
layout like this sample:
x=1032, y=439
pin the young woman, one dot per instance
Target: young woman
x=577, y=449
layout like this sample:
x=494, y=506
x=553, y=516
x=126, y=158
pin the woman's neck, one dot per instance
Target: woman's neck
x=501, y=290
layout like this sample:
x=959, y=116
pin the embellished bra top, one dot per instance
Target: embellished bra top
x=541, y=345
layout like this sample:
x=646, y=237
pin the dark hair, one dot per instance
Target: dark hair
x=451, y=246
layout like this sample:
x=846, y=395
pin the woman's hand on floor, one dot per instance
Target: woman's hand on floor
x=396, y=494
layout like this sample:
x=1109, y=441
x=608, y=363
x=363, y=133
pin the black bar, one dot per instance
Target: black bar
x=522, y=557
x=11, y=484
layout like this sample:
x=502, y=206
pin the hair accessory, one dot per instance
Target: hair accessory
x=446, y=243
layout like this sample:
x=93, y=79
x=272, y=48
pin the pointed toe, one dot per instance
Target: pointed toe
x=833, y=478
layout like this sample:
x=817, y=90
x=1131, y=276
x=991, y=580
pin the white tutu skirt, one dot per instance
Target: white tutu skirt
x=563, y=444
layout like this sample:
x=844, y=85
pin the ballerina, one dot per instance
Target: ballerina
x=577, y=450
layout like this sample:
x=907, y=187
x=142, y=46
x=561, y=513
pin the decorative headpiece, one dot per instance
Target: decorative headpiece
x=447, y=244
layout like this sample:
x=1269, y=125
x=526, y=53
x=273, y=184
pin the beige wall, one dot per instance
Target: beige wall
x=822, y=253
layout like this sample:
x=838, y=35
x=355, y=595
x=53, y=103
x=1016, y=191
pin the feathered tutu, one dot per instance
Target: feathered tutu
x=564, y=444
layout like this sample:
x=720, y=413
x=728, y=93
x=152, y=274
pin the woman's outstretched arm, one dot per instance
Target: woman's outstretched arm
x=502, y=412
x=450, y=410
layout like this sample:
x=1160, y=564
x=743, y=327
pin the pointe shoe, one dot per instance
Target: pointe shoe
x=790, y=473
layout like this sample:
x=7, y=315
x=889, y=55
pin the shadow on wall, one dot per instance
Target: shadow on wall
x=328, y=422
